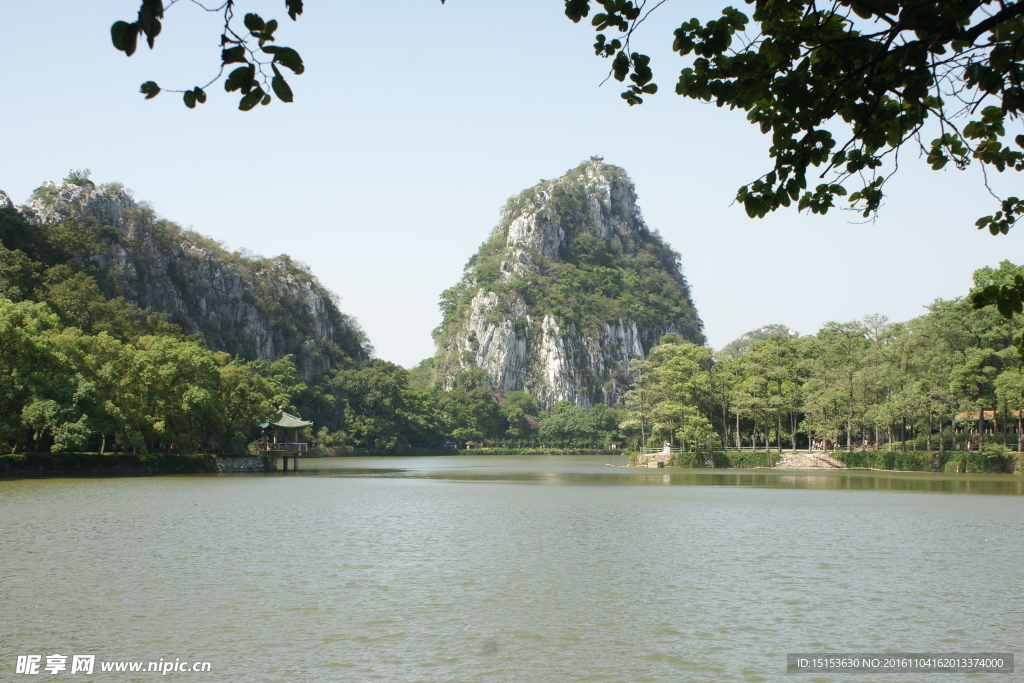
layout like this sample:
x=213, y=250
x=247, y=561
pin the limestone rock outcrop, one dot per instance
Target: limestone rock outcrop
x=245, y=305
x=570, y=286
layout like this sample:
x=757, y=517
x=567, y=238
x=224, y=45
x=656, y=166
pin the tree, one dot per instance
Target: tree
x=42, y=396
x=379, y=409
x=834, y=359
x=519, y=410
x=638, y=400
x=877, y=75
x=252, y=47
x=680, y=378
x=565, y=425
x=244, y=397
x=771, y=371
x=469, y=412
x=179, y=386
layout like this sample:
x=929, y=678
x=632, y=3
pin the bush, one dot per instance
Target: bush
x=747, y=459
x=908, y=461
x=992, y=457
x=691, y=460
x=527, y=451
x=721, y=459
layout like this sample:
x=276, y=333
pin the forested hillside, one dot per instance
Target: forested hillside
x=570, y=286
x=83, y=369
x=246, y=305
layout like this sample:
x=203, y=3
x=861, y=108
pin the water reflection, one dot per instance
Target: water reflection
x=594, y=471
x=508, y=570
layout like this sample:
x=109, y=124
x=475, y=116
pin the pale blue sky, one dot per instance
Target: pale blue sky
x=412, y=125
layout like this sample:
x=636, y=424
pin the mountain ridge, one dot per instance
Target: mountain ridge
x=249, y=306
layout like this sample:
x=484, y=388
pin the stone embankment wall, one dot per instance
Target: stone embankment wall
x=249, y=463
x=61, y=464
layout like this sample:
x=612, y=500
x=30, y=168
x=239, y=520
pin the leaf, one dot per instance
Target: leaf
x=193, y=96
x=286, y=56
x=253, y=22
x=156, y=7
x=150, y=89
x=148, y=20
x=233, y=55
x=252, y=99
x=243, y=78
x=117, y=34
x=620, y=66
x=281, y=88
x=577, y=9
x=294, y=8
x=131, y=38
x=236, y=78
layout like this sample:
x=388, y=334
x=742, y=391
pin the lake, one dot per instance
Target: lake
x=538, y=568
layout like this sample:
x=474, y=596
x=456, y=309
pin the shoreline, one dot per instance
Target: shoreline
x=128, y=464
x=122, y=464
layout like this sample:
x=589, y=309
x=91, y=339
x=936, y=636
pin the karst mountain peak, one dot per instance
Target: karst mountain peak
x=569, y=288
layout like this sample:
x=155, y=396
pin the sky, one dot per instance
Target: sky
x=413, y=124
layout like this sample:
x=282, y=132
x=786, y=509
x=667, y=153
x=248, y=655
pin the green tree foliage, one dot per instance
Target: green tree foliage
x=841, y=86
x=570, y=426
x=741, y=345
x=421, y=377
x=672, y=395
x=939, y=382
x=251, y=46
x=766, y=382
x=379, y=409
x=65, y=390
x=469, y=412
x=519, y=411
x=594, y=281
x=873, y=384
x=565, y=425
x=80, y=371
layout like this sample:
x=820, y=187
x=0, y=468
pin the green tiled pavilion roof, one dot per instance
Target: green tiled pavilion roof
x=284, y=420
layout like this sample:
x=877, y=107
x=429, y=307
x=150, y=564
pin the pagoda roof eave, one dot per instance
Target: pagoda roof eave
x=283, y=420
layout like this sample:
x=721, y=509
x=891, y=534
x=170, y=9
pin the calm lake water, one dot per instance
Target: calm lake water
x=540, y=568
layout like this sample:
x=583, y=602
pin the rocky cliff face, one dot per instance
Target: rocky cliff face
x=568, y=289
x=248, y=306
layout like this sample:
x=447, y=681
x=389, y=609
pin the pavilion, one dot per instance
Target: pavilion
x=279, y=425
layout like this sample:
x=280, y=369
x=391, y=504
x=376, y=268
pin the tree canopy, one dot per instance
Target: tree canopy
x=844, y=86
x=253, y=47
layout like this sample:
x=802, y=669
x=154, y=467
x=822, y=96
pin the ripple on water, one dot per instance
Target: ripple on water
x=538, y=569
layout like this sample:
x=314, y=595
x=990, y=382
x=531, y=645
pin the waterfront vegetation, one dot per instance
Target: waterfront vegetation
x=874, y=393
x=84, y=373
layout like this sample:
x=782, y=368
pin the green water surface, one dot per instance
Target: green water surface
x=539, y=568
